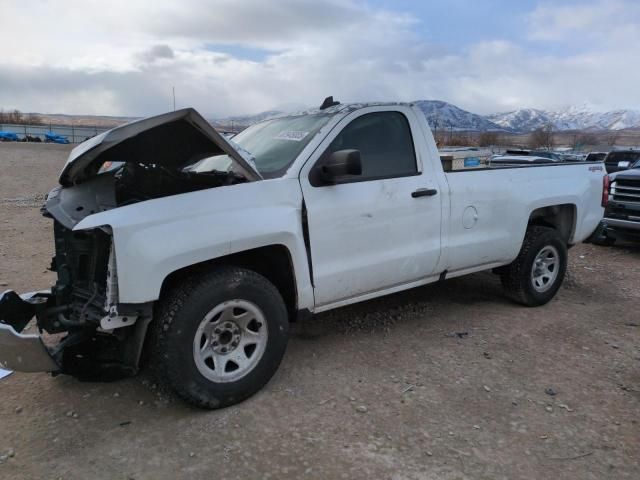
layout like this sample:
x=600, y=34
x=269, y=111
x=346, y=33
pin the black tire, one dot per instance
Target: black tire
x=516, y=277
x=604, y=241
x=600, y=237
x=180, y=313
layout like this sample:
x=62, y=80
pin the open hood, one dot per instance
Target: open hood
x=172, y=140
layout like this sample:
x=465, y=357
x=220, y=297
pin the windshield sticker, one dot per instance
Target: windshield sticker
x=293, y=135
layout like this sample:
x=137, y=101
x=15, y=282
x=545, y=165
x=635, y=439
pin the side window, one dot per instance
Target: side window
x=385, y=144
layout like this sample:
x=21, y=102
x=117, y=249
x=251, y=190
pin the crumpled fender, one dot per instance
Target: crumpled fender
x=157, y=237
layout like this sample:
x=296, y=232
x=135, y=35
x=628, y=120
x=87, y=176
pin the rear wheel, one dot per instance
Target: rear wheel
x=220, y=337
x=535, y=276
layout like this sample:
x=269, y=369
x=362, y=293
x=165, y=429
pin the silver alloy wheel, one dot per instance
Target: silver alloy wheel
x=545, y=269
x=230, y=341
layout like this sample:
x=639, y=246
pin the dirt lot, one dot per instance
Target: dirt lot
x=386, y=389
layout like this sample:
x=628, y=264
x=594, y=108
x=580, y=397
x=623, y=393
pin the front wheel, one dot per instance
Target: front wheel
x=220, y=337
x=535, y=276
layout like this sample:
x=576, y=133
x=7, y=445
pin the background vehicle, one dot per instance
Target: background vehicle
x=163, y=224
x=621, y=200
x=534, y=153
x=526, y=157
x=52, y=137
x=596, y=157
x=546, y=154
x=617, y=160
x=8, y=137
x=572, y=157
x=513, y=160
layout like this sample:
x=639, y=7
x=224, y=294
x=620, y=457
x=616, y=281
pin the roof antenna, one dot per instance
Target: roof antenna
x=328, y=102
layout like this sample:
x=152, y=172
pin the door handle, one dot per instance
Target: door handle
x=424, y=192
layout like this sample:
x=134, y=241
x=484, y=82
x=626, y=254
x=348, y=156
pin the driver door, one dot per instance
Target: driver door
x=371, y=232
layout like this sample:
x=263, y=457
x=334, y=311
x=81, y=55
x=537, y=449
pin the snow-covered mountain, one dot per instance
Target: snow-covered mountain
x=521, y=120
x=571, y=118
x=446, y=115
x=245, y=120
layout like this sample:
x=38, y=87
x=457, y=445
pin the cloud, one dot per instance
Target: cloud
x=601, y=23
x=157, y=52
x=116, y=56
x=273, y=25
x=124, y=60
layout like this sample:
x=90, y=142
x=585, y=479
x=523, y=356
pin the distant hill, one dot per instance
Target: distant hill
x=439, y=114
x=572, y=118
x=245, y=120
x=103, y=121
x=444, y=114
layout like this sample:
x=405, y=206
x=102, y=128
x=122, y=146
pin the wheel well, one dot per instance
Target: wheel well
x=559, y=217
x=272, y=262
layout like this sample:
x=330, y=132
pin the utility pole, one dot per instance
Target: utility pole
x=174, y=97
x=434, y=121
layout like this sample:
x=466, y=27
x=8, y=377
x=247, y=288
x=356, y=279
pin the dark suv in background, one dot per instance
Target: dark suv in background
x=621, y=199
x=621, y=160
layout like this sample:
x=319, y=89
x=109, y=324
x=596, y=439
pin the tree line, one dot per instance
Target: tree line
x=545, y=137
x=16, y=116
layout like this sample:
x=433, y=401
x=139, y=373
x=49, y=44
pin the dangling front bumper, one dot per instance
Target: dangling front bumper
x=22, y=352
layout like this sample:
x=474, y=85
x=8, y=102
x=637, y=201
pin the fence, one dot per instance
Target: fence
x=75, y=134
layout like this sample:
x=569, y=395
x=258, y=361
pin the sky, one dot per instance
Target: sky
x=231, y=57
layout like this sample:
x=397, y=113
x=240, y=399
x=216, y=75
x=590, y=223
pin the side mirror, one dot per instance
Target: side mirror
x=341, y=163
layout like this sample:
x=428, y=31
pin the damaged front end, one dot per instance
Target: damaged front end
x=100, y=337
x=24, y=352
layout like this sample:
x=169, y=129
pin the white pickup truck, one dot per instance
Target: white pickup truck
x=202, y=250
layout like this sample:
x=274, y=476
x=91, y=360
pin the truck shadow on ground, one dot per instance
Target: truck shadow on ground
x=381, y=313
x=626, y=248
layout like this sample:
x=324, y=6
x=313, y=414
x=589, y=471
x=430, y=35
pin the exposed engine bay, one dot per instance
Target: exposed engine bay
x=137, y=182
x=128, y=183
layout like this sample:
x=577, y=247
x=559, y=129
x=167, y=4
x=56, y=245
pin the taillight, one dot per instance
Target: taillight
x=605, y=190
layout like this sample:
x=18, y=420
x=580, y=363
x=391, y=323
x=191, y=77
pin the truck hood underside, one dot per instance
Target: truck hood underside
x=172, y=140
x=144, y=160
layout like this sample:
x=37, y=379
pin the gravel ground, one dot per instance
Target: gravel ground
x=448, y=381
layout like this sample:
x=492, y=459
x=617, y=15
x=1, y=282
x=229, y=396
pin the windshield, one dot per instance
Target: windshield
x=596, y=157
x=274, y=144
